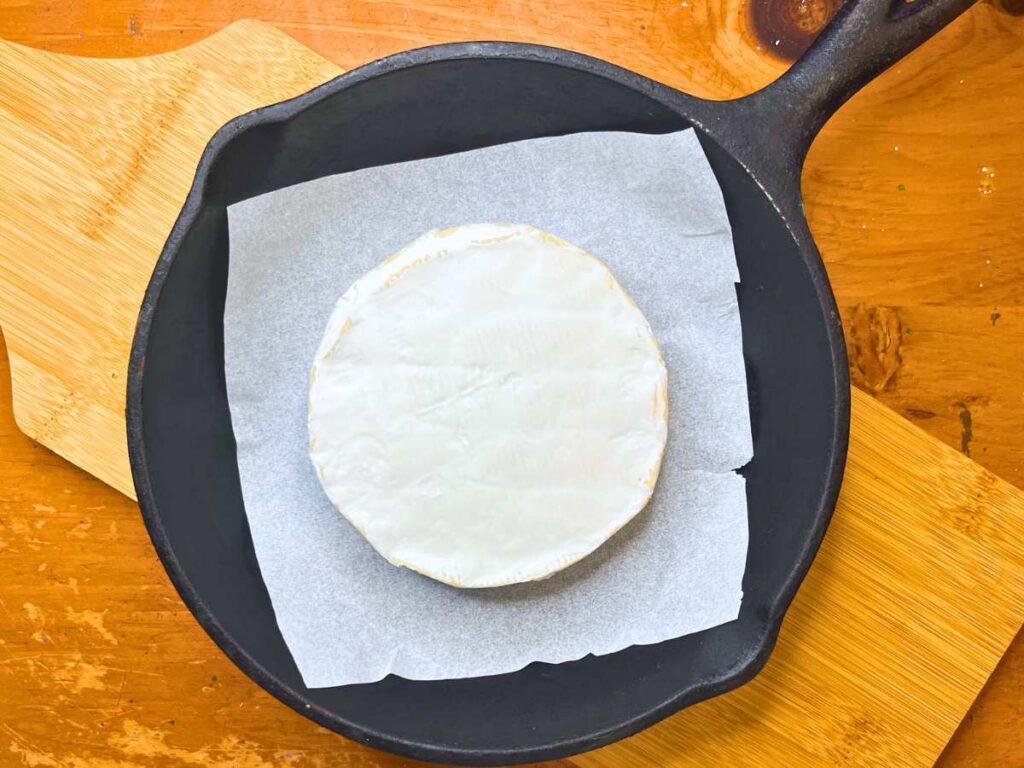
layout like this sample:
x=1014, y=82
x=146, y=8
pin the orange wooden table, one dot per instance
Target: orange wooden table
x=914, y=192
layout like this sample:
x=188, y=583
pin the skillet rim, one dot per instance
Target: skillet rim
x=688, y=107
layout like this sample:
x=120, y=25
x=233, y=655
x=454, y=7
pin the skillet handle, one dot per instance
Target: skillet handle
x=772, y=129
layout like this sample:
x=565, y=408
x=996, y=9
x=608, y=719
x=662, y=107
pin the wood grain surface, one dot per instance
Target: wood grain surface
x=96, y=157
x=912, y=191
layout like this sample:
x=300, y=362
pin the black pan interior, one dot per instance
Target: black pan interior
x=184, y=452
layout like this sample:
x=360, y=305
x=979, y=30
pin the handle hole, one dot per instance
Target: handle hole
x=904, y=9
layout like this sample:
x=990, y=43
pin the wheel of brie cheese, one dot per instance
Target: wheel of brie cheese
x=488, y=406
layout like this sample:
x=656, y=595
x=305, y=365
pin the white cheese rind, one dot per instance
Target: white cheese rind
x=488, y=406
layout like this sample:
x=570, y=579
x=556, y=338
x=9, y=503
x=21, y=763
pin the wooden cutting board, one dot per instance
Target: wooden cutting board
x=918, y=588
x=914, y=595
x=96, y=157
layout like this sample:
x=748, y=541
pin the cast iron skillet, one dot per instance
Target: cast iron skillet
x=456, y=97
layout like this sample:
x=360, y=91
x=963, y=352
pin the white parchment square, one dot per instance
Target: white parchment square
x=651, y=209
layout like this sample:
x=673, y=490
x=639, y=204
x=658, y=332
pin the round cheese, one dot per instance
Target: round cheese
x=488, y=406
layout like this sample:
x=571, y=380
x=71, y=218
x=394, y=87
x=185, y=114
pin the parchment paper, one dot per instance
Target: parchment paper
x=651, y=209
